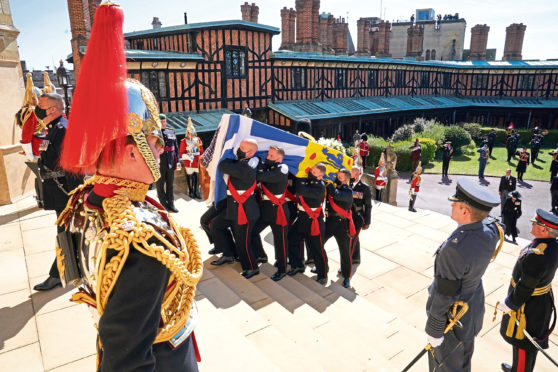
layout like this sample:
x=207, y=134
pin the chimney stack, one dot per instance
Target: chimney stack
x=363, y=37
x=185, y=18
x=384, y=32
x=250, y=12
x=156, y=23
x=415, y=37
x=514, y=42
x=479, y=39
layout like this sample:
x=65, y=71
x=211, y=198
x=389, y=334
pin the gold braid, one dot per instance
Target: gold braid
x=184, y=264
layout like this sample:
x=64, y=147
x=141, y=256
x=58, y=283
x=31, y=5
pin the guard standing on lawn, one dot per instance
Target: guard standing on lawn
x=364, y=149
x=511, y=145
x=242, y=208
x=458, y=269
x=339, y=222
x=491, y=141
x=553, y=164
x=529, y=305
x=536, y=143
x=273, y=177
x=362, y=210
x=483, y=159
x=447, y=151
x=507, y=185
x=522, y=163
x=168, y=163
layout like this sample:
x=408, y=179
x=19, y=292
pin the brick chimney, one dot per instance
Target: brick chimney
x=363, y=37
x=384, y=33
x=315, y=22
x=254, y=13
x=340, y=30
x=292, y=27
x=81, y=14
x=156, y=23
x=326, y=33
x=307, y=25
x=288, y=19
x=246, y=10
x=479, y=39
x=514, y=42
x=415, y=36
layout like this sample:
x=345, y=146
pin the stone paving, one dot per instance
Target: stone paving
x=291, y=325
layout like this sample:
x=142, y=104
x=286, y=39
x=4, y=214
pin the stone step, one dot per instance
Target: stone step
x=220, y=355
x=280, y=350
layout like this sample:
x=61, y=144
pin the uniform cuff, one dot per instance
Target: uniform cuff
x=510, y=304
x=435, y=327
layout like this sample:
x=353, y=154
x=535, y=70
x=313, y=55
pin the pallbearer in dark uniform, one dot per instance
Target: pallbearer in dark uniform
x=273, y=177
x=242, y=207
x=221, y=238
x=512, y=211
x=169, y=160
x=529, y=305
x=310, y=193
x=458, y=269
x=56, y=184
x=362, y=210
x=137, y=270
x=339, y=221
x=507, y=185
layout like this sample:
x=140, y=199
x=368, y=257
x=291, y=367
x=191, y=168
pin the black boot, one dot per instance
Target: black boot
x=195, y=185
x=189, y=182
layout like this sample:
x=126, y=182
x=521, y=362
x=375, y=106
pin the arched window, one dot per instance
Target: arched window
x=427, y=54
x=433, y=54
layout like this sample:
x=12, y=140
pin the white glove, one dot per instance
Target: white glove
x=28, y=151
x=253, y=163
x=184, y=156
x=503, y=307
x=433, y=341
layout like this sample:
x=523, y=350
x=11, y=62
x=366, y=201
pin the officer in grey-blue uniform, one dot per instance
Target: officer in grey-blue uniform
x=458, y=269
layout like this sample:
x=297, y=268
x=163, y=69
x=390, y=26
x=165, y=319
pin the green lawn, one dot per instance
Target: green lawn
x=496, y=167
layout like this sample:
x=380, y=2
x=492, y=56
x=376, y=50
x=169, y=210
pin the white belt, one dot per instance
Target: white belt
x=301, y=208
x=265, y=197
x=240, y=192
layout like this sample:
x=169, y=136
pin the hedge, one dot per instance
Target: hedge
x=401, y=148
x=550, y=140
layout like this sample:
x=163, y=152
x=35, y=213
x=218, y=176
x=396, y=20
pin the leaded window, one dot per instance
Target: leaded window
x=340, y=78
x=525, y=82
x=373, y=79
x=235, y=62
x=299, y=78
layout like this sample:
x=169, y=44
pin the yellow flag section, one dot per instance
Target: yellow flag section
x=333, y=160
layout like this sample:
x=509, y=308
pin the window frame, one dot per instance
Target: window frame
x=228, y=62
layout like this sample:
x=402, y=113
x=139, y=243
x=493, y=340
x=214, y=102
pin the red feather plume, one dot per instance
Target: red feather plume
x=100, y=105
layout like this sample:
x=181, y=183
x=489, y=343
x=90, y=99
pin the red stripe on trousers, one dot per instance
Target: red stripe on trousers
x=520, y=360
x=247, y=252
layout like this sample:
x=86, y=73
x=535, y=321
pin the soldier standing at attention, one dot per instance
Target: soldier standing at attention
x=273, y=178
x=414, y=189
x=169, y=160
x=491, y=141
x=447, y=151
x=522, y=163
x=191, y=148
x=554, y=164
x=458, y=269
x=364, y=149
x=483, y=159
x=339, y=222
x=310, y=193
x=362, y=210
x=138, y=270
x=56, y=183
x=242, y=208
x=529, y=304
x=380, y=178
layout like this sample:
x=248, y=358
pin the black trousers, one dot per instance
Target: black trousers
x=280, y=242
x=554, y=197
x=205, y=221
x=220, y=231
x=520, y=175
x=53, y=272
x=243, y=242
x=337, y=227
x=379, y=194
x=534, y=155
x=363, y=161
x=358, y=220
x=510, y=153
x=490, y=147
x=524, y=360
x=315, y=243
x=445, y=167
x=165, y=187
x=511, y=226
x=295, y=239
x=453, y=355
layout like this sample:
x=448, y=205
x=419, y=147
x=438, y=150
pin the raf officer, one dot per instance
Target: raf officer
x=362, y=210
x=273, y=178
x=458, y=269
x=339, y=221
x=529, y=304
x=168, y=162
x=242, y=206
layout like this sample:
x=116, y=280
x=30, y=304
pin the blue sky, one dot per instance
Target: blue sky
x=45, y=28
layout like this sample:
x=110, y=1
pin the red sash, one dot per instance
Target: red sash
x=290, y=196
x=281, y=218
x=343, y=213
x=241, y=199
x=315, y=228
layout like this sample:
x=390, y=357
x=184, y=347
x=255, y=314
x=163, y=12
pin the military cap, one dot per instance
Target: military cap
x=471, y=193
x=162, y=117
x=546, y=218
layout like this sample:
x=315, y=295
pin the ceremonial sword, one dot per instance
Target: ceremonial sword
x=454, y=317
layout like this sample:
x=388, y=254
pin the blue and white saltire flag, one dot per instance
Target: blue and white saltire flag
x=300, y=153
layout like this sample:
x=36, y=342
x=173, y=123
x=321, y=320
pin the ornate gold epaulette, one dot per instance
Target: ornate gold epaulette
x=539, y=249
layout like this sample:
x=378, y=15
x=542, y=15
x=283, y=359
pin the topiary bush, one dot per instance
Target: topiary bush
x=376, y=147
x=457, y=135
x=475, y=130
x=436, y=132
x=428, y=150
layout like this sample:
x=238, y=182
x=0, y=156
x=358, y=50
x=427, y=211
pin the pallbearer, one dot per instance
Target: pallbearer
x=362, y=210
